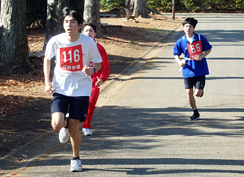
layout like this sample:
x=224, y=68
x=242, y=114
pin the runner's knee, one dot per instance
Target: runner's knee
x=189, y=92
x=199, y=93
x=57, y=121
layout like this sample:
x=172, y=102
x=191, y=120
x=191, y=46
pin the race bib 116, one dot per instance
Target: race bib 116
x=71, y=58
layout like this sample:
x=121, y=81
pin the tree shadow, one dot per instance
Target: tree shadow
x=114, y=124
x=32, y=118
x=127, y=34
x=119, y=63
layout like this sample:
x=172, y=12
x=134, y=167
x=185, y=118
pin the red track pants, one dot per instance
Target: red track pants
x=91, y=108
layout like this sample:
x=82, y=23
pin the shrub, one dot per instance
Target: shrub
x=111, y=4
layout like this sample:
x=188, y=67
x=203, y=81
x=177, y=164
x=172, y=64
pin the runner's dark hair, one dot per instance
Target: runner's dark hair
x=76, y=15
x=90, y=24
x=191, y=21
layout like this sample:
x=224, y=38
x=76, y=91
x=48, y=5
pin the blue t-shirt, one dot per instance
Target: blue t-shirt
x=192, y=68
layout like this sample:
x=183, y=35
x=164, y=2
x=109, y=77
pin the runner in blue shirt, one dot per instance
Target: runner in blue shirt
x=195, y=48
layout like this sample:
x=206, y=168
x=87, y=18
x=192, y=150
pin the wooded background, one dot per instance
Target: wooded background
x=36, y=10
x=19, y=15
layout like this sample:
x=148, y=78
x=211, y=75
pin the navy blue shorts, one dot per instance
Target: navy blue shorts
x=76, y=106
x=197, y=82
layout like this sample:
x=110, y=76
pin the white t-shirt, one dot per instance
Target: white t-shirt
x=71, y=57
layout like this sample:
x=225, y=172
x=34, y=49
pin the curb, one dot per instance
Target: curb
x=28, y=153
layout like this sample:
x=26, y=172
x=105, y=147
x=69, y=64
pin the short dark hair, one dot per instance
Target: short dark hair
x=191, y=21
x=76, y=15
x=90, y=24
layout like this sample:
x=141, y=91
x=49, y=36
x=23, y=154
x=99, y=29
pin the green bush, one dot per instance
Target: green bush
x=37, y=10
x=160, y=5
x=181, y=5
x=111, y=4
x=239, y=4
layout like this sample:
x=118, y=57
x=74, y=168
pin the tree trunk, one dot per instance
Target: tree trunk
x=140, y=8
x=54, y=18
x=129, y=4
x=14, y=56
x=92, y=14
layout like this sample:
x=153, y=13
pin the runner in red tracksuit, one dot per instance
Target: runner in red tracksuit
x=98, y=78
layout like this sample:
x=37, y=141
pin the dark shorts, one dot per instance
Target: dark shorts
x=77, y=106
x=197, y=82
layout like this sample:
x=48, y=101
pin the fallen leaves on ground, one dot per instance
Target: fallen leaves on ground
x=20, y=91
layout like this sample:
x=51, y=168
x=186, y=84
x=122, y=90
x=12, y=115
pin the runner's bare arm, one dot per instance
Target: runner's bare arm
x=49, y=88
x=182, y=63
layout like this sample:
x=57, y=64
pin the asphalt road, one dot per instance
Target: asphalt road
x=142, y=128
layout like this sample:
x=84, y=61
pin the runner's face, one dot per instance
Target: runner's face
x=89, y=31
x=70, y=25
x=188, y=29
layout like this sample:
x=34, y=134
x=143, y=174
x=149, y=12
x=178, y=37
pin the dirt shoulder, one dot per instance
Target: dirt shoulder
x=25, y=107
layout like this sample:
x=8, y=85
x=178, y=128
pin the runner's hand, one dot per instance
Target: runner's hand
x=198, y=57
x=183, y=63
x=99, y=82
x=88, y=70
x=49, y=88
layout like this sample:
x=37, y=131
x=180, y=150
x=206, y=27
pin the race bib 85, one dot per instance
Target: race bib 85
x=71, y=58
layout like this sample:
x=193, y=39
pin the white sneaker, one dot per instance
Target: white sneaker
x=87, y=131
x=75, y=165
x=64, y=135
